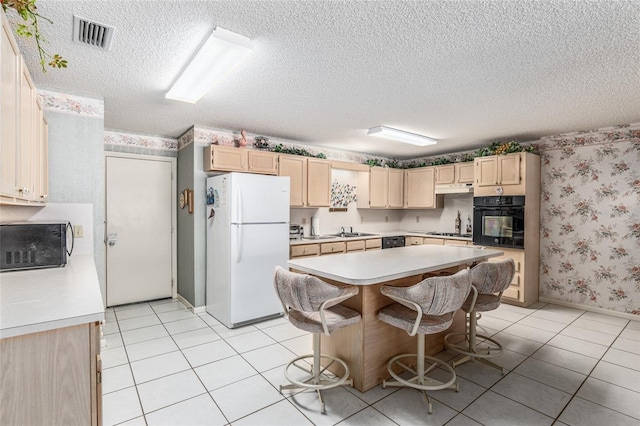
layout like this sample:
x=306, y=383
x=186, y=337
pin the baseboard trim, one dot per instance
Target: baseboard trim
x=590, y=309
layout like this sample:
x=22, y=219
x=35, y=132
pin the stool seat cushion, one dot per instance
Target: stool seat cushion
x=337, y=317
x=484, y=302
x=404, y=318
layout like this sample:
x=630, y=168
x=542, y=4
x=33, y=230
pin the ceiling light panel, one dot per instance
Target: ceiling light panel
x=401, y=136
x=217, y=56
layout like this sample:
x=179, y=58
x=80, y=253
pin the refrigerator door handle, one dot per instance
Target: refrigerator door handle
x=238, y=196
x=238, y=243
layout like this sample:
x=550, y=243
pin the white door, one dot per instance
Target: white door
x=139, y=230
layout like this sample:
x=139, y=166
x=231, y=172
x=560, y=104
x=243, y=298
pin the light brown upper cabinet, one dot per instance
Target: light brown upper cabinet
x=21, y=153
x=386, y=188
x=511, y=174
x=310, y=180
x=231, y=159
x=498, y=170
x=454, y=173
x=420, y=189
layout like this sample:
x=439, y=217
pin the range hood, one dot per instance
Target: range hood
x=455, y=188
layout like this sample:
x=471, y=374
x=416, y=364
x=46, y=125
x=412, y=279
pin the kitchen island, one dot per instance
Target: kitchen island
x=367, y=346
x=50, y=345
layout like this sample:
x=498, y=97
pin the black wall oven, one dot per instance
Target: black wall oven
x=499, y=221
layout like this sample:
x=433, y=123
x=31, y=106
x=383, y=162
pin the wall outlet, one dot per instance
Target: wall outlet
x=361, y=219
x=386, y=218
x=417, y=219
x=569, y=282
x=78, y=231
x=304, y=220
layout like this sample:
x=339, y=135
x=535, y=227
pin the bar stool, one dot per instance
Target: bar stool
x=312, y=305
x=489, y=280
x=424, y=308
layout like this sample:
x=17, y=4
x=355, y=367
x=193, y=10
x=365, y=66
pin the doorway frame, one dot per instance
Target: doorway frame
x=174, y=210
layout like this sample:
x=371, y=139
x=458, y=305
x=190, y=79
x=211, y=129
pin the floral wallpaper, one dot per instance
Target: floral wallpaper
x=590, y=218
x=342, y=194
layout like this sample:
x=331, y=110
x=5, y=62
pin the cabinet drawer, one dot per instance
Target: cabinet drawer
x=372, y=244
x=332, y=248
x=305, y=250
x=414, y=241
x=433, y=241
x=455, y=243
x=512, y=293
x=355, y=245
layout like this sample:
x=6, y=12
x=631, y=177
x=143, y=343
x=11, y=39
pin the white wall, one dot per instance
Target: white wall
x=440, y=220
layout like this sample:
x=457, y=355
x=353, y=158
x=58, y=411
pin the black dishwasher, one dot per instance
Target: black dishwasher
x=392, y=242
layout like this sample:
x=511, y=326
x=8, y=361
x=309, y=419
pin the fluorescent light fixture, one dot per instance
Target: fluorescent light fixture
x=401, y=136
x=218, y=55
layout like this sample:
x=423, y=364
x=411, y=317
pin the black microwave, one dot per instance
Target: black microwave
x=32, y=245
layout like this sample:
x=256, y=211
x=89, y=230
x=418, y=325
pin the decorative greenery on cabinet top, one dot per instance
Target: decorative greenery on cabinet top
x=496, y=148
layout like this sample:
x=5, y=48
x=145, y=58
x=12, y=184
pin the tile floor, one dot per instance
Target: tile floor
x=164, y=365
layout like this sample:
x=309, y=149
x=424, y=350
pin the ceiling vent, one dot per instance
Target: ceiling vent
x=92, y=33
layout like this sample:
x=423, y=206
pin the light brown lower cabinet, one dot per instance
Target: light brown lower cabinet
x=52, y=377
x=333, y=248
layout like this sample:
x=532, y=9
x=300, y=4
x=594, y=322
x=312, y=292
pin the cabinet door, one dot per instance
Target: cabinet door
x=44, y=165
x=486, y=171
x=378, y=187
x=464, y=172
x=318, y=182
x=227, y=158
x=509, y=169
x=445, y=174
x=9, y=98
x=295, y=167
x=27, y=134
x=40, y=160
x=263, y=162
x=420, y=192
x=396, y=188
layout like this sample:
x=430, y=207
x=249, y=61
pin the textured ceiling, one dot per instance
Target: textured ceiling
x=323, y=72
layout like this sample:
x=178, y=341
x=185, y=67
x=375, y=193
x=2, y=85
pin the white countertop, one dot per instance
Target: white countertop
x=377, y=235
x=46, y=299
x=376, y=266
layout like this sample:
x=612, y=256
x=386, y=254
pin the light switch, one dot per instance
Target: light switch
x=78, y=231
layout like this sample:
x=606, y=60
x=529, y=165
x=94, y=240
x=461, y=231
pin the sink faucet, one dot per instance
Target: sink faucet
x=342, y=229
x=351, y=229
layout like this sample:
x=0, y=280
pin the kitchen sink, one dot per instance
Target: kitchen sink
x=352, y=234
x=318, y=237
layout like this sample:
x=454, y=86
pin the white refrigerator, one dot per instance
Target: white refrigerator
x=247, y=236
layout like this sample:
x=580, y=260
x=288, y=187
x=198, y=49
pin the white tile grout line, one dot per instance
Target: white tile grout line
x=287, y=398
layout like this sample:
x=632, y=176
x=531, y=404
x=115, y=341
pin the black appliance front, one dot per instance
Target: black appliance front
x=392, y=242
x=499, y=221
x=32, y=245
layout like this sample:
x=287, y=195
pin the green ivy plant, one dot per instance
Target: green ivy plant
x=28, y=11
x=281, y=149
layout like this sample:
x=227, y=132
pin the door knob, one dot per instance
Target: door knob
x=111, y=239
